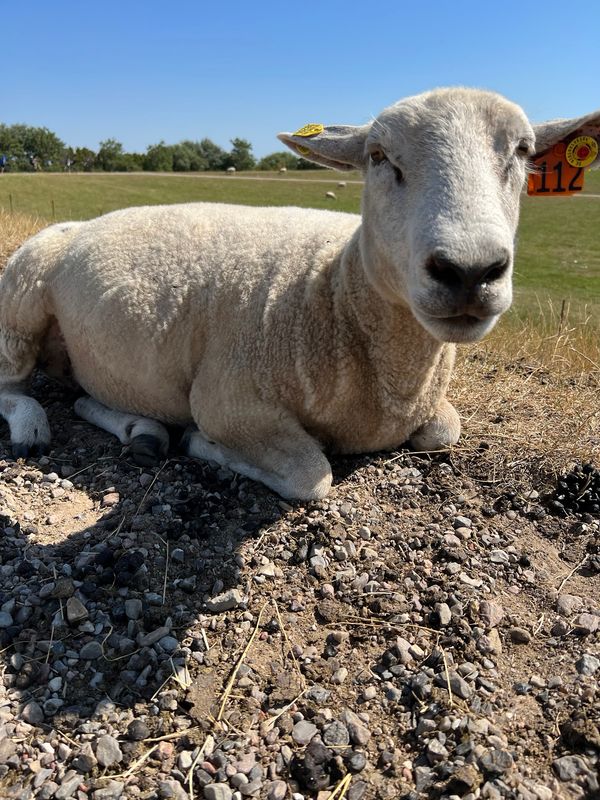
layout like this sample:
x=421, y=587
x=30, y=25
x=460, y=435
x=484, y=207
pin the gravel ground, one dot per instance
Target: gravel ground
x=180, y=632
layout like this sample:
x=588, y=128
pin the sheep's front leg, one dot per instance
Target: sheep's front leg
x=147, y=439
x=261, y=442
x=27, y=420
x=440, y=432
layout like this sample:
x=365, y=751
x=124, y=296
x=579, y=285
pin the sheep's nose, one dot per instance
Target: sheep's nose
x=455, y=276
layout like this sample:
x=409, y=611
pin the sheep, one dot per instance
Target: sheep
x=281, y=333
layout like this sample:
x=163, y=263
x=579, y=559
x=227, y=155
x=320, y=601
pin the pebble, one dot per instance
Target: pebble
x=303, y=731
x=276, y=790
x=496, y=762
x=68, y=785
x=91, y=651
x=225, y=602
x=133, y=608
x=443, y=613
x=137, y=730
x=339, y=676
x=569, y=768
x=491, y=613
x=519, y=636
x=336, y=735
x=148, y=639
x=587, y=664
x=32, y=713
x=568, y=604
x=217, y=791
x=586, y=623
x=369, y=692
x=6, y=619
x=358, y=731
x=108, y=751
x=76, y=611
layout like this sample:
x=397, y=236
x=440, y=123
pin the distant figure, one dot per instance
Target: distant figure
x=68, y=165
x=34, y=163
x=3, y=162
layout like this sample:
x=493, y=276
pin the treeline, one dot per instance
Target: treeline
x=24, y=148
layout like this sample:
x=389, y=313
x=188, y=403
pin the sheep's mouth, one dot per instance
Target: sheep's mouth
x=462, y=319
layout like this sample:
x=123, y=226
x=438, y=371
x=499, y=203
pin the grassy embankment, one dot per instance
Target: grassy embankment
x=531, y=387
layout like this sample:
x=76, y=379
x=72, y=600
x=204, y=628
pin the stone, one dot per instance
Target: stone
x=224, y=602
x=443, y=613
x=303, y=731
x=171, y=790
x=490, y=643
x=276, y=790
x=32, y=713
x=587, y=664
x=91, y=651
x=359, y=733
x=137, y=730
x=68, y=785
x=113, y=790
x=519, y=636
x=568, y=604
x=491, y=613
x=6, y=619
x=108, y=751
x=76, y=611
x=217, y=791
x=496, y=762
x=459, y=686
x=7, y=749
x=148, y=639
x=586, y=623
x=133, y=608
x=569, y=768
x=110, y=499
x=168, y=643
x=336, y=735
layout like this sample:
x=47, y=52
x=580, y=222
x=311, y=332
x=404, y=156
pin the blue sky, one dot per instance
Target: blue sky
x=145, y=71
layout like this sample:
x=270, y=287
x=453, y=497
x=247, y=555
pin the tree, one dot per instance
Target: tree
x=275, y=161
x=213, y=156
x=188, y=157
x=83, y=159
x=241, y=156
x=109, y=155
x=159, y=158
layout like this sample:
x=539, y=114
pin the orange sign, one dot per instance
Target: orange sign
x=554, y=176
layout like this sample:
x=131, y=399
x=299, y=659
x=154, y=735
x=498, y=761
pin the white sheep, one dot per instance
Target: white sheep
x=281, y=332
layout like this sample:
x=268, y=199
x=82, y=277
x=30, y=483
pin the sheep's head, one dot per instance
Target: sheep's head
x=443, y=177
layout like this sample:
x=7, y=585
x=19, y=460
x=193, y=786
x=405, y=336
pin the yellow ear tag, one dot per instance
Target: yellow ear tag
x=312, y=129
x=581, y=151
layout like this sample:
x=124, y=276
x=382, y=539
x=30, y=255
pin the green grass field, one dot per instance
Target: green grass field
x=558, y=257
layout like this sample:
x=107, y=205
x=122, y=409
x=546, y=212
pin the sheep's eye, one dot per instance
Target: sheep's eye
x=377, y=156
x=524, y=149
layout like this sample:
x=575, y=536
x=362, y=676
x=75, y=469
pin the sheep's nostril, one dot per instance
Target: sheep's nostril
x=494, y=272
x=445, y=272
x=455, y=276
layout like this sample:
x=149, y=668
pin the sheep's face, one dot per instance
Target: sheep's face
x=441, y=205
x=444, y=171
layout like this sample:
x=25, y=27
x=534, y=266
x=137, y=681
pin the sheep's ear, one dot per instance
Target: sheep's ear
x=547, y=134
x=336, y=146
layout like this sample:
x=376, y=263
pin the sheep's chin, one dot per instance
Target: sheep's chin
x=460, y=329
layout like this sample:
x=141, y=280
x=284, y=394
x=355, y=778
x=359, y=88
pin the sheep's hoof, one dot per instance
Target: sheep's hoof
x=147, y=450
x=23, y=450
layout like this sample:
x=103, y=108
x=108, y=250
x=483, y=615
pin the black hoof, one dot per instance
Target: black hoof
x=23, y=450
x=146, y=450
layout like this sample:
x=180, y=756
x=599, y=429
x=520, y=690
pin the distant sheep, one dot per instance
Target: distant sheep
x=281, y=332
x=231, y=170
x=330, y=195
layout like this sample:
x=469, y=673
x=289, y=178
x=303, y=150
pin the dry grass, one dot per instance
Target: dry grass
x=14, y=229
x=530, y=391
